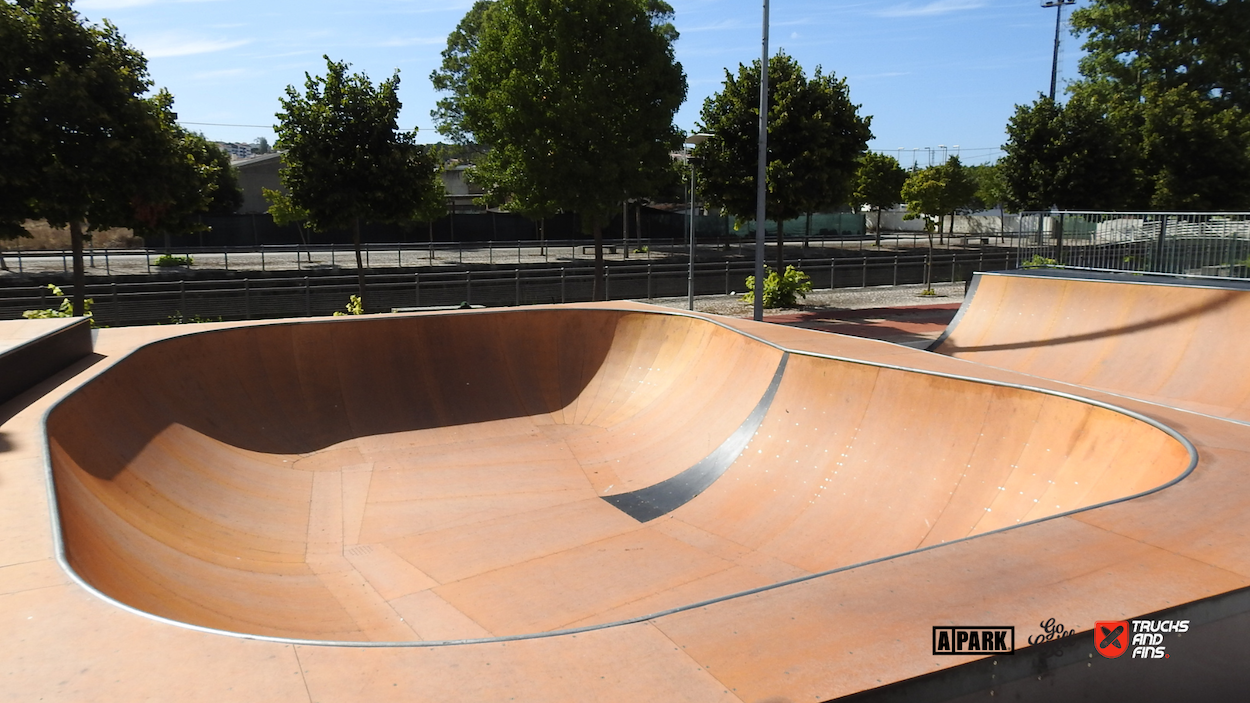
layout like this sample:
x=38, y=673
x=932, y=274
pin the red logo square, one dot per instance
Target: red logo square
x=1111, y=637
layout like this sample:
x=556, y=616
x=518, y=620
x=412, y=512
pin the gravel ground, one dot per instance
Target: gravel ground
x=837, y=299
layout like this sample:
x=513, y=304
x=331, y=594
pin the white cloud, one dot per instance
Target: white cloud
x=177, y=44
x=937, y=7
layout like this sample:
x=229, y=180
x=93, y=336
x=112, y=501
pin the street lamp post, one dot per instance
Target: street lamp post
x=761, y=172
x=692, y=141
x=1054, y=63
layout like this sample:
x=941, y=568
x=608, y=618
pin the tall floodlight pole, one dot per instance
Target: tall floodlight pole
x=1054, y=63
x=761, y=172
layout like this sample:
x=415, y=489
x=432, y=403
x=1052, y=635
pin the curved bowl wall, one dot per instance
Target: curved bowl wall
x=472, y=475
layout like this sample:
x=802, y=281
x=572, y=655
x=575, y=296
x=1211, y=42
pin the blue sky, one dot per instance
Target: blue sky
x=929, y=72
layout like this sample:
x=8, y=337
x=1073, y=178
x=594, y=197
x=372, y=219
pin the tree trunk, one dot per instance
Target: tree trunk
x=303, y=239
x=878, y=243
x=598, y=292
x=928, y=265
x=360, y=266
x=781, y=247
x=80, y=276
x=625, y=227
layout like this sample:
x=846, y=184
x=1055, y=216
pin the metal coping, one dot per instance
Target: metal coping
x=62, y=560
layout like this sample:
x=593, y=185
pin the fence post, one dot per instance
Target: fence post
x=115, y=308
x=649, y=279
x=607, y=282
x=952, y=267
x=896, y=270
x=64, y=265
x=416, y=288
x=147, y=259
x=726, y=278
x=863, y=281
x=227, y=255
x=1059, y=242
x=247, y=299
x=307, y=295
x=182, y=298
x=832, y=263
x=561, y=284
x=468, y=287
x=262, y=257
x=518, y=279
x=1163, y=229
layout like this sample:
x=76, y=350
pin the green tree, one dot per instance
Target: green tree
x=1070, y=156
x=933, y=193
x=815, y=138
x=346, y=160
x=1197, y=151
x=878, y=184
x=1133, y=45
x=452, y=74
x=81, y=146
x=1158, y=119
x=575, y=101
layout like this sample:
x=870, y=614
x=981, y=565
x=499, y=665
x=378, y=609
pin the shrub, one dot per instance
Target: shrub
x=171, y=260
x=1038, y=262
x=355, y=306
x=780, y=291
x=65, y=309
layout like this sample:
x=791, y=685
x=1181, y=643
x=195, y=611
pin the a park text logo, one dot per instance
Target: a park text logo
x=1112, y=638
x=974, y=640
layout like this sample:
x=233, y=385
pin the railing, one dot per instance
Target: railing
x=1193, y=243
x=148, y=302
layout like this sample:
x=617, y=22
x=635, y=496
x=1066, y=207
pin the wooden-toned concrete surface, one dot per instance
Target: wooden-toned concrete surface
x=407, y=480
x=1171, y=342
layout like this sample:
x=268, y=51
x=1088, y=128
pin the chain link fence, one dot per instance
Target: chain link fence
x=1190, y=243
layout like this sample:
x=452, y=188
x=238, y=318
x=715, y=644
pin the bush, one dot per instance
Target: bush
x=1038, y=262
x=355, y=306
x=780, y=291
x=171, y=260
x=65, y=309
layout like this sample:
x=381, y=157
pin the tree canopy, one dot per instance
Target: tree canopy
x=878, y=183
x=346, y=159
x=939, y=190
x=815, y=139
x=80, y=145
x=452, y=74
x=1159, y=120
x=1070, y=156
x=573, y=100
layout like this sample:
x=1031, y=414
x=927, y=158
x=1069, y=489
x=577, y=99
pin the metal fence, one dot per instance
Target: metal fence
x=123, y=303
x=1192, y=243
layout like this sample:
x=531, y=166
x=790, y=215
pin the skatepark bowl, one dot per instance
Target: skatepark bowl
x=619, y=502
x=508, y=474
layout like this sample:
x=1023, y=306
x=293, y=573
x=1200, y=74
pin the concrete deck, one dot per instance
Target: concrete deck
x=414, y=507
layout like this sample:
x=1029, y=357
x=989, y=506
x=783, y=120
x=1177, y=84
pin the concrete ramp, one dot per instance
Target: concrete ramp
x=502, y=474
x=1168, y=340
